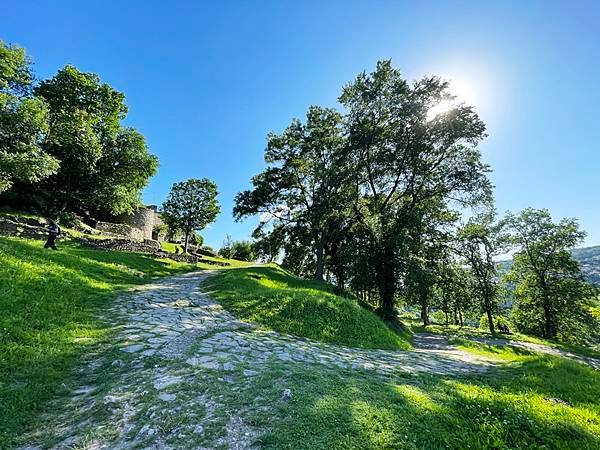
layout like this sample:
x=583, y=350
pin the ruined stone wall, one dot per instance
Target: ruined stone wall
x=143, y=219
x=120, y=229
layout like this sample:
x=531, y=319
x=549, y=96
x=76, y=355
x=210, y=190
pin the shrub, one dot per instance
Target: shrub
x=484, y=325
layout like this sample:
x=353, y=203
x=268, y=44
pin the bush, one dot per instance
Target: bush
x=439, y=317
x=69, y=219
x=484, y=326
x=243, y=251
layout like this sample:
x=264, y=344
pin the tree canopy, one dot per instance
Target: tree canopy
x=23, y=123
x=62, y=144
x=191, y=206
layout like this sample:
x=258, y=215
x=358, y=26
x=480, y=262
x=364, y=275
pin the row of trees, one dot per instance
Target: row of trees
x=63, y=146
x=371, y=198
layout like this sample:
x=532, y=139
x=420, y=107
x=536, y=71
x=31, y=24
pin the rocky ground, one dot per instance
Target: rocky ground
x=181, y=372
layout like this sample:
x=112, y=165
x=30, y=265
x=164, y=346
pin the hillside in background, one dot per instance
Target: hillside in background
x=589, y=259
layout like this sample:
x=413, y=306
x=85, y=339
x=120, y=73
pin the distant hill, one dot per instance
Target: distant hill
x=588, y=257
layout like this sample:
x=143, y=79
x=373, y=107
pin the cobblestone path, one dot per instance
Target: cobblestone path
x=175, y=347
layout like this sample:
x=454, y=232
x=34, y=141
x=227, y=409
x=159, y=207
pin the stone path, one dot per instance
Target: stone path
x=539, y=348
x=167, y=317
x=175, y=350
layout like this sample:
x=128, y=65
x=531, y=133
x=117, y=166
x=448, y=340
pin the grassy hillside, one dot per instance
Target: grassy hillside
x=50, y=303
x=282, y=302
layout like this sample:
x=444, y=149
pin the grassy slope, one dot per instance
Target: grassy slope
x=50, y=303
x=538, y=402
x=271, y=297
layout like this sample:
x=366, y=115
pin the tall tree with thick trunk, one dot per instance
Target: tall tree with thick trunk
x=403, y=155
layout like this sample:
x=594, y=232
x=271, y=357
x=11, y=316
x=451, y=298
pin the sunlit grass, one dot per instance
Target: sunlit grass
x=50, y=303
x=537, y=402
x=282, y=302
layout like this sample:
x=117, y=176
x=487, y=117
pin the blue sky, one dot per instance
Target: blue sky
x=205, y=82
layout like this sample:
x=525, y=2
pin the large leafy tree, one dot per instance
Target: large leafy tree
x=479, y=242
x=103, y=166
x=303, y=181
x=23, y=123
x=190, y=206
x=550, y=291
x=402, y=157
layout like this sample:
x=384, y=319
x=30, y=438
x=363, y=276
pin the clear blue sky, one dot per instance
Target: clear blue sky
x=205, y=82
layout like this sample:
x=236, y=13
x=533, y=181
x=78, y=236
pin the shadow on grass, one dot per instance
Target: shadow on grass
x=538, y=403
x=307, y=308
x=50, y=302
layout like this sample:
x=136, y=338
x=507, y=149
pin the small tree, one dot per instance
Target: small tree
x=226, y=248
x=549, y=287
x=479, y=242
x=191, y=205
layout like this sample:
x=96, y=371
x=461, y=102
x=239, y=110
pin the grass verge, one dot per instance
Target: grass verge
x=271, y=297
x=50, y=303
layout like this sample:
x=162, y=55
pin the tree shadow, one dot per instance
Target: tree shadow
x=50, y=303
x=518, y=407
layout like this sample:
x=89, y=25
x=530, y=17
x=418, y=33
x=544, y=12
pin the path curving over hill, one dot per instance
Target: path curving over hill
x=153, y=388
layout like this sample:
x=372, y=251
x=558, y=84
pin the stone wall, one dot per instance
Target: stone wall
x=120, y=229
x=128, y=245
x=143, y=219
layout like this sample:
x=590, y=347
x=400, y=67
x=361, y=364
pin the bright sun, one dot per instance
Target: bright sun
x=463, y=92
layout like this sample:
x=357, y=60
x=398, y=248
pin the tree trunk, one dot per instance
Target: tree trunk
x=488, y=311
x=319, y=250
x=185, y=241
x=425, y=313
x=387, y=283
x=461, y=318
x=549, y=327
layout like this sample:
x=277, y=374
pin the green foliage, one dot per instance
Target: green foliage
x=480, y=241
x=552, y=300
x=271, y=297
x=439, y=317
x=23, y=123
x=406, y=161
x=190, y=206
x=103, y=165
x=303, y=184
x=243, y=251
x=51, y=304
x=484, y=324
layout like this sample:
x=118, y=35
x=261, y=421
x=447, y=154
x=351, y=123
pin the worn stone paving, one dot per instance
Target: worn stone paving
x=174, y=344
x=166, y=318
x=538, y=348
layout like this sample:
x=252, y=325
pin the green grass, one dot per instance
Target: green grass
x=169, y=246
x=282, y=302
x=471, y=332
x=50, y=302
x=539, y=402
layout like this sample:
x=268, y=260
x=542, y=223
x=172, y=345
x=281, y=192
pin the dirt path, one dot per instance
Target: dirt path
x=158, y=386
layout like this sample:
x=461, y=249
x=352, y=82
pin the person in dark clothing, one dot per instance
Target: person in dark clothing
x=53, y=233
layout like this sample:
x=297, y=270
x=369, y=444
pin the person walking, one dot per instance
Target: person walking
x=53, y=233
